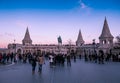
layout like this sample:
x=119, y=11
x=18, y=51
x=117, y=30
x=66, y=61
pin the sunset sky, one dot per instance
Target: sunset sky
x=47, y=19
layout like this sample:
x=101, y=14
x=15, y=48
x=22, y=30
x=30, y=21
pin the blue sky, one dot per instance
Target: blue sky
x=58, y=4
x=47, y=19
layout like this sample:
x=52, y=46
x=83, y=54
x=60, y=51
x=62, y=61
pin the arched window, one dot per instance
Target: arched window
x=104, y=42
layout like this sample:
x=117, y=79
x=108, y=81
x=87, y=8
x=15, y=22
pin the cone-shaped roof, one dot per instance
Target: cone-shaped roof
x=27, y=38
x=105, y=31
x=80, y=38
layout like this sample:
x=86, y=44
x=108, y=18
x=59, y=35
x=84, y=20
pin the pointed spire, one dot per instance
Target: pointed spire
x=27, y=35
x=27, y=38
x=105, y=31
x=80, y=40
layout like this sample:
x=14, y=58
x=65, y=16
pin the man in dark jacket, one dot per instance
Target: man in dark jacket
x=33, y=62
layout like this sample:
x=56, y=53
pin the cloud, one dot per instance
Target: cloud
x=83, y=8
x=82, y=4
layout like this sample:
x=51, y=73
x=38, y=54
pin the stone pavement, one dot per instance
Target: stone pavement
x=8, y=64
x=79, y=72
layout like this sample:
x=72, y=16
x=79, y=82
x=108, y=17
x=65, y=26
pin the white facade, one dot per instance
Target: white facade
x=105, y=44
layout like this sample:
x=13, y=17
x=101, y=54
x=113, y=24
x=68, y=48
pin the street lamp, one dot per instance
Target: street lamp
x=69, y=43
x=14, y=46
x=95, y=54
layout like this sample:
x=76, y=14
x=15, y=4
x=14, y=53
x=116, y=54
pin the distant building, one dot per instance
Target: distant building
x=106, y=38
x=27, y=46
x=80, y=40
x=105, y=44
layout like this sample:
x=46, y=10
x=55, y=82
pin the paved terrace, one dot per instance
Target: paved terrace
x=79, y=72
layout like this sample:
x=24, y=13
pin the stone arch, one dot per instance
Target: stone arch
x=19, y=50
x=104, y=42
x=101, y=52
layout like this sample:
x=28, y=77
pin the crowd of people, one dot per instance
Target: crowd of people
x=12, y=57
x=56, y=59
x=6, y=58
x=101, y=57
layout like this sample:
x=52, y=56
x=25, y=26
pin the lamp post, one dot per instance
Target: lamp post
x=15, y=46
x=94, y=45
x=69, y=42
x=95, y=54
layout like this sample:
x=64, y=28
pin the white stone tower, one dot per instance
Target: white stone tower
x=106, y=38
x=80, y=40
x=27, y=40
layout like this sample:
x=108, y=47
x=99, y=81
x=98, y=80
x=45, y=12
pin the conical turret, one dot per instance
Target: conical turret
x=105, y=32
x=27, y=40
x=106, y=39
x=80, y=40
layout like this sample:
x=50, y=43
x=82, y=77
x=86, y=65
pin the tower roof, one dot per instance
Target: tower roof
x=80, y=38
x=27, y=37
x=105, y=31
